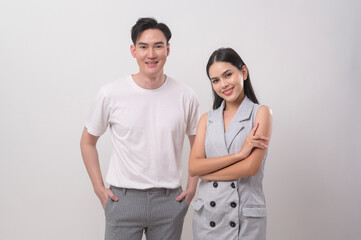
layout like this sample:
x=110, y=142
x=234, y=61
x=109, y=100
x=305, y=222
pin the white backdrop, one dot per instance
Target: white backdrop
x=304, y=58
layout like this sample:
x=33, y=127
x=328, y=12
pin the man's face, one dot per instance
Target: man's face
x=151, y=51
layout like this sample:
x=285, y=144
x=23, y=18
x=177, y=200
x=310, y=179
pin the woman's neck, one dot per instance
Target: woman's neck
x=234, y=105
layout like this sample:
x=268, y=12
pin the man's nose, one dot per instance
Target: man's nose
x=151, y=53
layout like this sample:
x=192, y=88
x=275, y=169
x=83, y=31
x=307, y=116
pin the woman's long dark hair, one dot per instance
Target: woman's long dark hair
x=232, y=57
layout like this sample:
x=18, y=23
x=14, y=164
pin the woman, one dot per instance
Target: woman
x=228, y=155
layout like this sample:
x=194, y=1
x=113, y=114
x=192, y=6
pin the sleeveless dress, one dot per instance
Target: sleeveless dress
x=227, y=210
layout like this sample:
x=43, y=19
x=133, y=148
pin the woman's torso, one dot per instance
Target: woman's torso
x=230, y=209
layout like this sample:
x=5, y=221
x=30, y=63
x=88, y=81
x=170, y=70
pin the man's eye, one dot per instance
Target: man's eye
x=159, y=46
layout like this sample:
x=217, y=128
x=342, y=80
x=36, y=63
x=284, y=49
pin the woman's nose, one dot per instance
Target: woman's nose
x=224, y=83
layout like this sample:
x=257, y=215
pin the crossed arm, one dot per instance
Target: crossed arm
x=246, y=162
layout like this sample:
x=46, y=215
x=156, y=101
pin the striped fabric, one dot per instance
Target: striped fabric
x=154, y=211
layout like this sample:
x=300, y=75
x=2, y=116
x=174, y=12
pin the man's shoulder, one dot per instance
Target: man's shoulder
x=114, y=85
x=181, y=87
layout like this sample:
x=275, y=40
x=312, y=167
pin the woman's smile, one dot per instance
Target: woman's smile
x=228, y=91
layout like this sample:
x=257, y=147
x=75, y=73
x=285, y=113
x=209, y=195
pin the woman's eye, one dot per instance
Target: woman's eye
x=215, y=81
x=228, y=75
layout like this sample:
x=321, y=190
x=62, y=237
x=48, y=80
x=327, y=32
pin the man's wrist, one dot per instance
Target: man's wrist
x=98, y=188
x=191, y=188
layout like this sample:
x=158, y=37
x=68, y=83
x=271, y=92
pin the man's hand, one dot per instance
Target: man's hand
x=187, y=194
x=103, y=194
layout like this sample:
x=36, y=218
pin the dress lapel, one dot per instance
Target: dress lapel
x=215, y=122
x=237, y=123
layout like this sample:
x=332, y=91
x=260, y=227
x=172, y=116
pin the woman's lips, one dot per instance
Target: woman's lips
x=228, y=92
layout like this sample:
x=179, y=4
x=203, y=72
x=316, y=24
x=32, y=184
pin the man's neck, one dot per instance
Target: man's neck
x=148, y=82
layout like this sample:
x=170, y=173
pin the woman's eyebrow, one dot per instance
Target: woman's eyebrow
x=225, y=72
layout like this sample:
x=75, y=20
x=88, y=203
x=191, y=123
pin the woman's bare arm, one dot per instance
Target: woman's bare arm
x=251, y=164
x=200, y=165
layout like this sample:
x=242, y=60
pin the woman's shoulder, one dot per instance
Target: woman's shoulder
x=202, y=124
x=204, y=118
x=264, y=110
x=264, y=116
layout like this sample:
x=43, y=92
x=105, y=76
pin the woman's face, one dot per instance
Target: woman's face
x=227, y=80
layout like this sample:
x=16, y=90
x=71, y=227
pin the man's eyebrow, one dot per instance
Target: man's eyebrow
x=142, y=43
x=156, y=43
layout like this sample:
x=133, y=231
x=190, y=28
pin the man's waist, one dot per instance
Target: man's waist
x=148, y=191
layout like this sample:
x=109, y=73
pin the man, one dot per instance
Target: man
x=148, y=114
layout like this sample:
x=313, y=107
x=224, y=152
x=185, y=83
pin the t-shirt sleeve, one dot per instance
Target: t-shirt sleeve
x=98, y=118
x=193, y=115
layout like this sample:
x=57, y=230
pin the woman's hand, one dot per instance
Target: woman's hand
x=253, y=141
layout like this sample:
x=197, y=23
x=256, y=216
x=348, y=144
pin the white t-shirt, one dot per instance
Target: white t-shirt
x=147, y=129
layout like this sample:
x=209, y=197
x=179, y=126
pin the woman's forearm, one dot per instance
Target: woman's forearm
x=248, y=167
x=201, y=166
x=235, y=171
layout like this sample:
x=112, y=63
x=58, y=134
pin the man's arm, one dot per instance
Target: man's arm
x=90, y=157
x=190, y=191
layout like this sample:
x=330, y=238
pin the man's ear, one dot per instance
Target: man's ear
x=168, y=49
x=132, y=50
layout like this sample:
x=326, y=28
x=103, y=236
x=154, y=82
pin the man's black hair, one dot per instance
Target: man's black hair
x=149, y=23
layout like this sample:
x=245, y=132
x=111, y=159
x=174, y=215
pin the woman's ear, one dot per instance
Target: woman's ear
x=244, y=72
